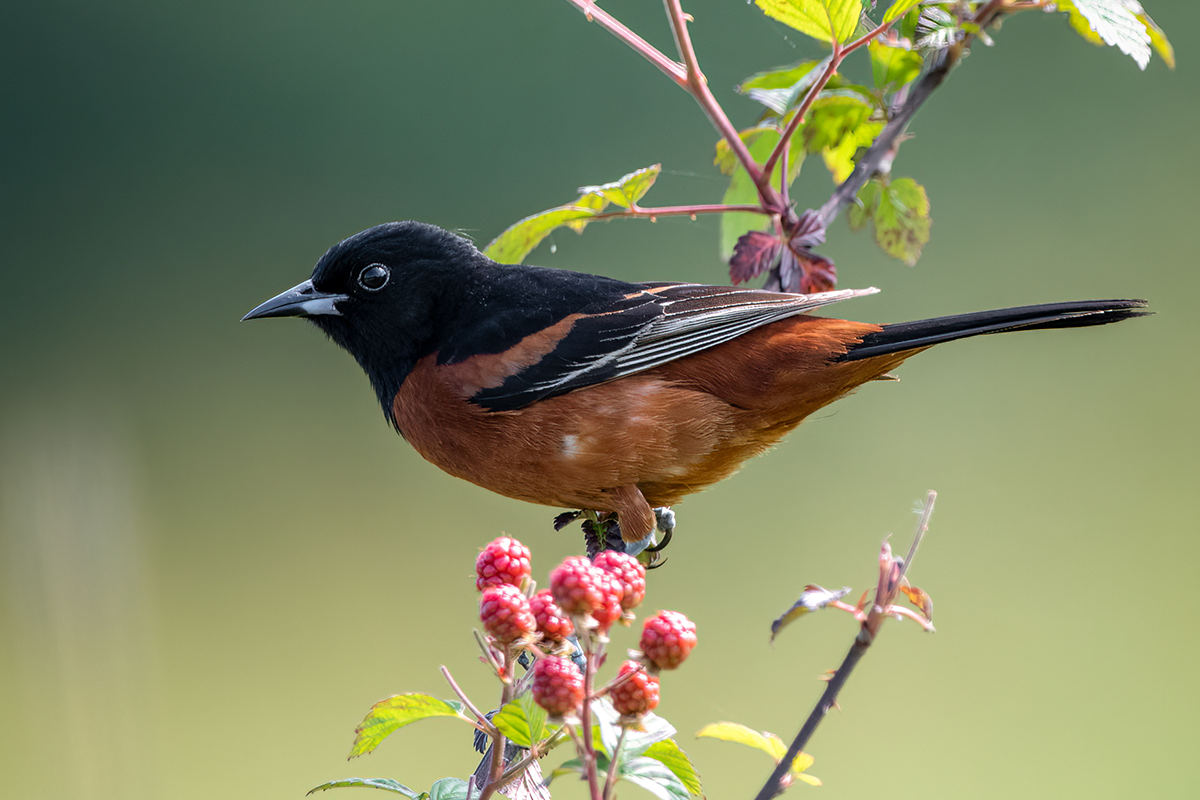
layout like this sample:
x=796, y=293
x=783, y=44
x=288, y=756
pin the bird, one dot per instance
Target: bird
x=584, y=392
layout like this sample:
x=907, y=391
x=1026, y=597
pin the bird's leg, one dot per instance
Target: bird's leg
x=664, y=521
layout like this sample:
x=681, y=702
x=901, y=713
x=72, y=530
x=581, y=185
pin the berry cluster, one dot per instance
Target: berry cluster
x=573, y=618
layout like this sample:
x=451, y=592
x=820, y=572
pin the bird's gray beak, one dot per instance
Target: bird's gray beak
x=299, y=301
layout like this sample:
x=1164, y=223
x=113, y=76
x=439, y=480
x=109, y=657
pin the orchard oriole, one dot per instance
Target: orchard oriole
x=585, y=392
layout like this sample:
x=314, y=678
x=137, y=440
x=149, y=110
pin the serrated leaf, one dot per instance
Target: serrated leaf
x=898, y=9
x=726, y=161
x=753, y=255
x=839, y=159
x=673, y=758
x=572, y=765
x=825, y=20
x=395, y=712
x=653, y=776
x=522, y=721
x=863, y=210
x=782, y=77
x=628, y=190
x=386, y=784
x=893, y=66
x=737, y=733
x=595, y=202
x=519, y=239
x=1158, y=39
x=448, y=789
x=813, y=598
x=902, y=219
x=1113, y=22
x=652, y=728
x=831, y=118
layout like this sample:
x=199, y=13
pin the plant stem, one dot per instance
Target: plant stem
x=883, y=150
x=613, y=764
x=496, y=770
x=484, y=725
x=677, y=211
x=698, y=87
x=672, y=69
x=891, y=574
x=589, y=749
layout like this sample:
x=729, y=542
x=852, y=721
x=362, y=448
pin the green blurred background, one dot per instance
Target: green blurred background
x=215, y=555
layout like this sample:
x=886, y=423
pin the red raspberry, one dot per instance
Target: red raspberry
x=609, y=611
x=574, y=586
x=667, y=638
x=505, y=613
x=637, y=695
x=504, y=560
x=557, y=685
x=629, y=571
x=551, y=621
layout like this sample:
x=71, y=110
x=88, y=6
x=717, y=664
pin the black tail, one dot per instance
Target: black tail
x=902, y=336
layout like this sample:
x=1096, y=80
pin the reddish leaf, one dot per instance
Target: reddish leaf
x=754, y=253
x=812, y=272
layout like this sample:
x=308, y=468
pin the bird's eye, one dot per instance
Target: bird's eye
x=374, y=277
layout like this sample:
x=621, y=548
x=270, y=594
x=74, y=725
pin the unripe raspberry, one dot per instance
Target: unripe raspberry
x=574, y=586
x=667, y=638
x=629, y=571
x=557, y=686
x=554, y=625
x=505, y=613
x=504, y=560
x=609, y=610
x=637, y=695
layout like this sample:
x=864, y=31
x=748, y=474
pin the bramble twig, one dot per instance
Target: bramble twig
x=891, y=576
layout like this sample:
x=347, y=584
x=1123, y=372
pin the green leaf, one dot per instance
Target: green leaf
x=900, y=210
x=737, y=733
x=395, y=712
x=898, y=9
x=741, y=191
x=629, y=189
x=653, y=776
x=893, y=66
x=780, y=78
x=840, y=158
x=769, y=743
x=386, y=784
x=1158, y=39
x=813, y=598
x=825, y=20
x=522, y=721
x=865, y=204
x=448, y=789
x=573, y=765
x=726, y=161
x=668, y=753
x=607, y=730
x=519, y=239
x=1112, y=22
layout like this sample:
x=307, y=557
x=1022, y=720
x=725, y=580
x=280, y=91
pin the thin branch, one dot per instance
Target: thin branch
x=890, y=575
x=878, y=158
x=484, y=725
x=785, y=139
x=496, y=772
x=676, y=211
x=589, y=749
x=672, y=69
x=698, y=86
x=613, y=764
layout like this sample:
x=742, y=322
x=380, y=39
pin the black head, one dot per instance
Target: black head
x=378, y=294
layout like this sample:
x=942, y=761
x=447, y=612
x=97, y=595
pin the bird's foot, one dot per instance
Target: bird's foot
x=602, y=532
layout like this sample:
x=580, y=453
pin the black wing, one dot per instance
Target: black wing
x=652, y=325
